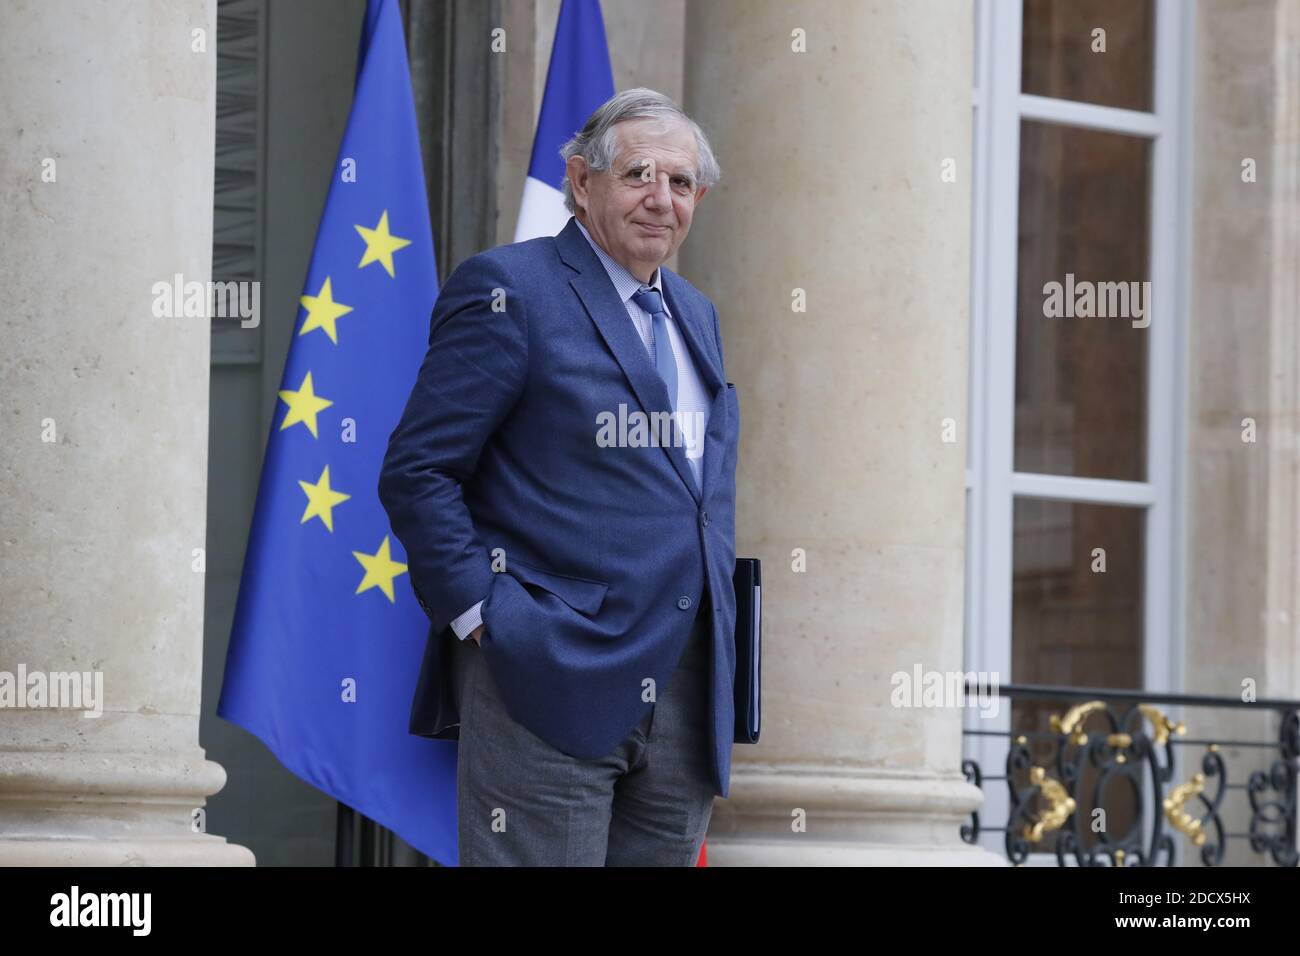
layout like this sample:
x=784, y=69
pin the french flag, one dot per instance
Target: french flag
x=578, y=80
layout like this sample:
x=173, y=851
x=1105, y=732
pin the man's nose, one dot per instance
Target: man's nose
x=660, y=195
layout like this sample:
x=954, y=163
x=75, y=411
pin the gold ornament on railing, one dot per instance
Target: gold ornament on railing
x=1059, y=805
x=1176, y=812
x=1161, y=724
x=1072, y=723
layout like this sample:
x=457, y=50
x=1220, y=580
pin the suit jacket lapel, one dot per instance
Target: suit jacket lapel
x=697, y=329
x=599, y=297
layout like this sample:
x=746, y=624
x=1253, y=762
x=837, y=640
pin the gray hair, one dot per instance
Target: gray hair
x=595, y=142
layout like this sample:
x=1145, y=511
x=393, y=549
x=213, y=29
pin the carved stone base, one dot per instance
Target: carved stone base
x=804, y=815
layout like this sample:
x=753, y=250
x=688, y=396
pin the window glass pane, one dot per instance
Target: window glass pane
x=1071, y=624
x=1081, y=363
x=1061, y=51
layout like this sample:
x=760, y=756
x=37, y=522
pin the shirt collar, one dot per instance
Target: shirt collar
x=625, y=283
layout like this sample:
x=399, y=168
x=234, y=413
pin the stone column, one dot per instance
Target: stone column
x=832, y=189
x=106, y=160
x=1243, y=327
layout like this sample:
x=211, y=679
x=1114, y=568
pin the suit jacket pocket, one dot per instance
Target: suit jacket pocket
x=582, y=594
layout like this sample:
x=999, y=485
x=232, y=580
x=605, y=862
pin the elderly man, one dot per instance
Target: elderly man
x=579, y=590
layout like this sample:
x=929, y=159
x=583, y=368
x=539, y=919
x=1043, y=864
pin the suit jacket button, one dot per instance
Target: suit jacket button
x=704, y=518
x=684, y=602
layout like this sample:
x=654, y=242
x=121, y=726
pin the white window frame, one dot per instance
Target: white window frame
x=992, y=483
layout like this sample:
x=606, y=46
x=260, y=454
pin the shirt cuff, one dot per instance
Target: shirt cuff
x=463, y=625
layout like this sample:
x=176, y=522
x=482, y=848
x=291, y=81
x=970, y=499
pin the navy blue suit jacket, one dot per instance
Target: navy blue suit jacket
x=608, y=552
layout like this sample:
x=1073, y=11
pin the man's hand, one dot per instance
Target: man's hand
x=477, y=633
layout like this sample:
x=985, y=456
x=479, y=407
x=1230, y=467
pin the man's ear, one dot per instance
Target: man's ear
x=699, y=194
x=576, y=169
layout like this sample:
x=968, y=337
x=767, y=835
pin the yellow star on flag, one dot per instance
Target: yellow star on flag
x=303, y=404
x=321, y=499
x=322, y=311
x=380, y=570
x=380, y=245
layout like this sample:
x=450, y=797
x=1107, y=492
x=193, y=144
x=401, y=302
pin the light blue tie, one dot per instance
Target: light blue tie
x=652, y=302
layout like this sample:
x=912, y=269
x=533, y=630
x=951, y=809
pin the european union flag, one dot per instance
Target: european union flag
x=328, y=637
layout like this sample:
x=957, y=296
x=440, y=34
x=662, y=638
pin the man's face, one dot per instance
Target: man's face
x=639, y=210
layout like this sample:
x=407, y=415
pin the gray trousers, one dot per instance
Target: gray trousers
x=522, y=802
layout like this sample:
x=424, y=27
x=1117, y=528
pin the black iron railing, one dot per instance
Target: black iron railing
x=1092, y=777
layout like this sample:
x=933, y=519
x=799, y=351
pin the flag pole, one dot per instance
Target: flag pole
x=344, y=827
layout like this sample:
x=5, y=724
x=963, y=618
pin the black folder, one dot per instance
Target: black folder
x=747, y=581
